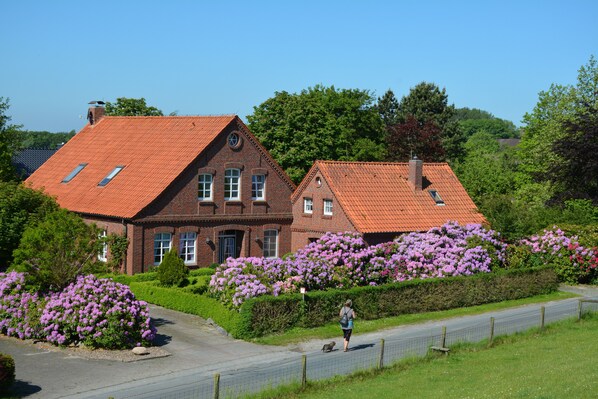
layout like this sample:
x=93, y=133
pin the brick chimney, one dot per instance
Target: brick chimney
x=416, y=167
x=96, y=112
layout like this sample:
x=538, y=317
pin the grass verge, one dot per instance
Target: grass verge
x=365, y=326
x=558, y=362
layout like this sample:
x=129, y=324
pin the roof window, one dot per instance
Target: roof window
x=110, y=176
x=436, y=197
x=74, y=173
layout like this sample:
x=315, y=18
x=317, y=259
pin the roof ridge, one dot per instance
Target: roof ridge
x=376, y=162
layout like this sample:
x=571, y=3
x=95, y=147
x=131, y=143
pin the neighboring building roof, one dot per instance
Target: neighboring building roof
x=29, y=160
x=377, y=197
x=153, y=151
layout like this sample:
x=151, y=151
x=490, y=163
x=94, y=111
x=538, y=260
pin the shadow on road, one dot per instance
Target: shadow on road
x=21, y=389
x=362, y=346
x=157, y=322
x=161, y=340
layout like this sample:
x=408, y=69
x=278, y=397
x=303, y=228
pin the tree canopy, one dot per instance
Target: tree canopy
x=131, y=107
x=44, y=139
x=9, y=143
x=319, y=123
x=388, y=108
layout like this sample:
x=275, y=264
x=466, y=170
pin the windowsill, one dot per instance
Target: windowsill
x=206, y=202
x=260, y=202
x=307, y=215
x=233, y=202
x=326, y=216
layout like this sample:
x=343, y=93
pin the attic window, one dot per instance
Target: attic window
x=436, y=197
x=74, y=173
x=110, y=176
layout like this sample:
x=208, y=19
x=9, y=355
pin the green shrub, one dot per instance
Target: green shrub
x=202, y=271
x=7, y=372
x=172, y=270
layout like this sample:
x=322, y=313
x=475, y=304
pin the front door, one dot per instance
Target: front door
x=227, y=245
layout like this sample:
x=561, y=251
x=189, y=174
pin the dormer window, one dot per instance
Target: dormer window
x=74, y=173
x=436, y=197
x=110, y=176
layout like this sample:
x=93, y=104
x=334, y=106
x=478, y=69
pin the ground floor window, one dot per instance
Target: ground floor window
x=271, y=244
x=103, y=255
x=161, y=246
x=187, y=247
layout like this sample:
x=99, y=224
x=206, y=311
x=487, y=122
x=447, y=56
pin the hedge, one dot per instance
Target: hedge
x=7, y=372
x=266, y=314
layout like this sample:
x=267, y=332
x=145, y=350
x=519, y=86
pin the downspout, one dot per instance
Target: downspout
x=126, y=252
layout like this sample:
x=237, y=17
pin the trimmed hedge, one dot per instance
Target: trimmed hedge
x=177, y=299
x=266, y=314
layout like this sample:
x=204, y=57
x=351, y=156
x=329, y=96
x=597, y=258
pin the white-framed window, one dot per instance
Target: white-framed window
x=270, y=243
x=187, y=247
x=308, y=205
x=232, y=178
x=103, y=255
x=328, y=207
x=161, y=246
x=204, y=190
x=258, y=187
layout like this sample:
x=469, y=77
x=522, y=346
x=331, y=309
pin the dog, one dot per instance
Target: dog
x=328, y=347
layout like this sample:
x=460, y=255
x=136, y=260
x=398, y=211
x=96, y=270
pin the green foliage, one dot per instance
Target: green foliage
x=202, y=271
x=118, y=245
x=388, y=107
x=177, y=299
x=266, y=314
x=172, y=270
x=20, y=207
x=44, y=139
x=9, y=143
x=57, y=250
x=318, y=123
x=7, y=372
x=497, y=128
x=131, y=107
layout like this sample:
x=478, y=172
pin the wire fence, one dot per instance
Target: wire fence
x=363, y=357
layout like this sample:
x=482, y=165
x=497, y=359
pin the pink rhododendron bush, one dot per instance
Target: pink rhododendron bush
x=344, y=260
x=572, y=262
x=98, y=313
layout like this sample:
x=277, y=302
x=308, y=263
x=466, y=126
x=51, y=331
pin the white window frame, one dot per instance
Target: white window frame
x=308, y=205
x=162, y=244
x=328, y=207
x=205, y=183
x=270, y=243
x=232, y=184
x=103, y=255
x=188, y=247
x=258, y=187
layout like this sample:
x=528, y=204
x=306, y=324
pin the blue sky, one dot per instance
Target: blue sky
x=212, y=58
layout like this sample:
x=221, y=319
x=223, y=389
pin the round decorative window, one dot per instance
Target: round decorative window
x=234, y=140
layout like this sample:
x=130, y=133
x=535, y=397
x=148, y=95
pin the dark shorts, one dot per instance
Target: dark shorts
x=347, y=333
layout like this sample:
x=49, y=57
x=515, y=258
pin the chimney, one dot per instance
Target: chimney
x=96, y=112
x=416, y=167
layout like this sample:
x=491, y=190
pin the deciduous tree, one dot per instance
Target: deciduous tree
x=410, y=138
x=9, y=143
x=131, y=107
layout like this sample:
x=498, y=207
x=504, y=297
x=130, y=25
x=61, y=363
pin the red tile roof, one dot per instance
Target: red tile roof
x=377, y=197
x=154, y=150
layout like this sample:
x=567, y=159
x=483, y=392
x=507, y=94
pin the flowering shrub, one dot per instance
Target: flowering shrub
x=98, y=313
x=342, y=260
x=572, y=262
x=19, y=310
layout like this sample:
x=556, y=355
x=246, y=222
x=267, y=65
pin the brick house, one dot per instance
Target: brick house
x=379, y=200
x=201, y=184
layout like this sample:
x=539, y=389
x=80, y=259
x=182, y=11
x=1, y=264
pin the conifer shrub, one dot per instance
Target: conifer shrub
x=7, y=372
x=172, y=270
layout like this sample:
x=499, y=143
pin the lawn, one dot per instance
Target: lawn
x=557, y=363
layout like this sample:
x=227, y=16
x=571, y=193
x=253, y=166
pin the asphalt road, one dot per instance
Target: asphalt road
x=198, y=351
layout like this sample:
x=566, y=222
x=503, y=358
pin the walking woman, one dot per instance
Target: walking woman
x=347, y=314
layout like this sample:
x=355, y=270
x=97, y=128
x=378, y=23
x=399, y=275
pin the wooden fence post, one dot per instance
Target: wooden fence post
x=579, y=310
x=542, y=313
x=491, y=330
x=303, y=370
x=216, y=386
x=443, y=338
x=381, y=360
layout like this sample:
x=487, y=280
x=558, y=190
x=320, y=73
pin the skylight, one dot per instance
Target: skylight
x=436, y=197
x=74, y=173
x=110, y=176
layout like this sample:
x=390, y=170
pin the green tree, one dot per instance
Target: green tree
x=9, y=143
x=131, y=107
x=426, y=102
x=319, y=123
x=44, y=139
x=388, y=108
x=57, y=250
x=20, y=207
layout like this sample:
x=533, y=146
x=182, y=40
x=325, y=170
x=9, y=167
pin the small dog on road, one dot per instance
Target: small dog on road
x=328, y=347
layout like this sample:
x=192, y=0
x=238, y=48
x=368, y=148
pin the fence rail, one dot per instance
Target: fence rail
x=318, y=366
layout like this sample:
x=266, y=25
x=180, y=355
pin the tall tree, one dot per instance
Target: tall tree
x=388, y=108
x=131, y=107
x=410, y=138
x=9, y=143
x=44, y=139
x=475, y=120
x=319, y=123
x=427, y=102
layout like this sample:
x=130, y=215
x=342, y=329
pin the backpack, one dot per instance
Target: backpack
x=344, y=321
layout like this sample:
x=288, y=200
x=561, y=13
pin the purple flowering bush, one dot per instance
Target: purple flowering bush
x=99, y=313
x=572, y=262
x=344, y=260
x=19, y=310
